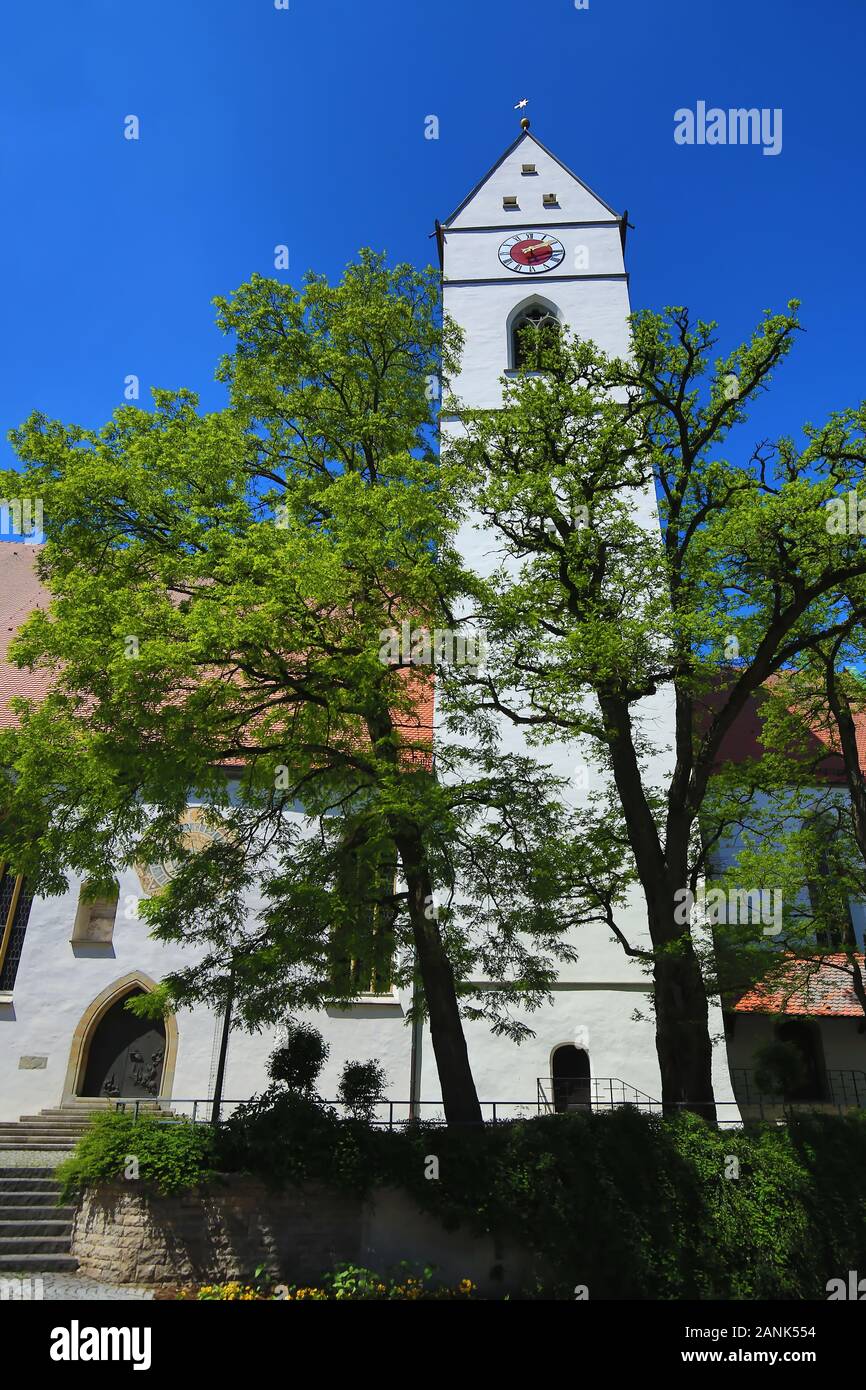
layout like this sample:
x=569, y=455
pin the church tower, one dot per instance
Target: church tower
x=532, y=241
x=530, y=238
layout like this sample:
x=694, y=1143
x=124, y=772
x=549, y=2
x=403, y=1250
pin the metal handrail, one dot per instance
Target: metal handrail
x=600, y=1091
x=844, y=1087
x=603, y=1093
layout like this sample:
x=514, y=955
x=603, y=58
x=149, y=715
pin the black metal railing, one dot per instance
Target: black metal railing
x=557, y=1094
x=389, y=1114
x=843, y=1088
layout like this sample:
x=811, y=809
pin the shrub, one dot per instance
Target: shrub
x=283, y=1138
x=170, y=1155
x=296, y=1065
x=362, y=1087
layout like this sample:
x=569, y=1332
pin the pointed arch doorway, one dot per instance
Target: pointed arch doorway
x=114, y=1054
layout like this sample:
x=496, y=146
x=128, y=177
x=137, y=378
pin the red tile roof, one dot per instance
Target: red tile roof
x=817, y=988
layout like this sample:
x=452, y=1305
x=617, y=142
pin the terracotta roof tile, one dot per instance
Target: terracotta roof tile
x=818, y=988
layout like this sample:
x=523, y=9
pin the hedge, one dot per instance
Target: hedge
x=631, y=1206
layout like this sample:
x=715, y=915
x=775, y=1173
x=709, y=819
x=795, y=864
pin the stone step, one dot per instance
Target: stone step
x=71, y=1107
x=49, y=1122
x=38, y=1264
x=36, y=1131
x=41, y=1147
x=20, y=1209
x=34, y=1245
x=62, y=1117
x=62, y=1131
x=28, y=1227
x=26, y=1197
x=40, y=1122
x=28, y=1179
x=80, y=1107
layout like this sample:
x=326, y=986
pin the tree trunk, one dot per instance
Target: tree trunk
x=459, y=1097
x=683, y=1043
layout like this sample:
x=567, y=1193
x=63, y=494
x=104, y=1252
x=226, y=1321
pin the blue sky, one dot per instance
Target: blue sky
x=306, y=127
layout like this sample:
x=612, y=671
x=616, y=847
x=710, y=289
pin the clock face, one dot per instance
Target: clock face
x=531, y=253
x=196, y=836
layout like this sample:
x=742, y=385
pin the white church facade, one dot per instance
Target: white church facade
x=530, y=240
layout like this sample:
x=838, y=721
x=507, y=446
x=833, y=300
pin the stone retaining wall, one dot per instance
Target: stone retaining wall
x=227, y=1231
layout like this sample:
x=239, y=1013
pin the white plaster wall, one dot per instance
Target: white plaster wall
x=576, y=202
x=56, y=984
x=594, y=309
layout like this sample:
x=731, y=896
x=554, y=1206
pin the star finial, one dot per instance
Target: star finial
x=521, y=106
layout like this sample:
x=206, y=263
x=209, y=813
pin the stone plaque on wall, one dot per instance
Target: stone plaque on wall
x=32, y=1063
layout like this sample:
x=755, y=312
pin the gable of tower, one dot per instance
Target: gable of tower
x=530, y=173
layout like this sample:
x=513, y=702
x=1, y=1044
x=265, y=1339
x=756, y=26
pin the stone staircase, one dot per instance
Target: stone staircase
x=36, y=1233
x=60, y=1129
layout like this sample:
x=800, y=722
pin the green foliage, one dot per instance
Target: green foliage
x=601, y=618
x=639, y=1207
x=631, y=1205
x=284, y=1137
x=221, y=585
x=362, y=1087
x=297, y=1063
x=170, y=1155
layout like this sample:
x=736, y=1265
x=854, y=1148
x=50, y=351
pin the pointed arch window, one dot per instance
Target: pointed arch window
x=533, y=331
x=15, y=901
x=363, y=939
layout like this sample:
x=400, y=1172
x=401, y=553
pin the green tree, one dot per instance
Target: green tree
x=221, y=586
x=599, y=614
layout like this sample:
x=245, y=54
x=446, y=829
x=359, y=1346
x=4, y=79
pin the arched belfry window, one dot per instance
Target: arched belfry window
x=534, y=329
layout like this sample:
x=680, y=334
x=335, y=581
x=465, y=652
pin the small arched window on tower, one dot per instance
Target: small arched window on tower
x=534, y=331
